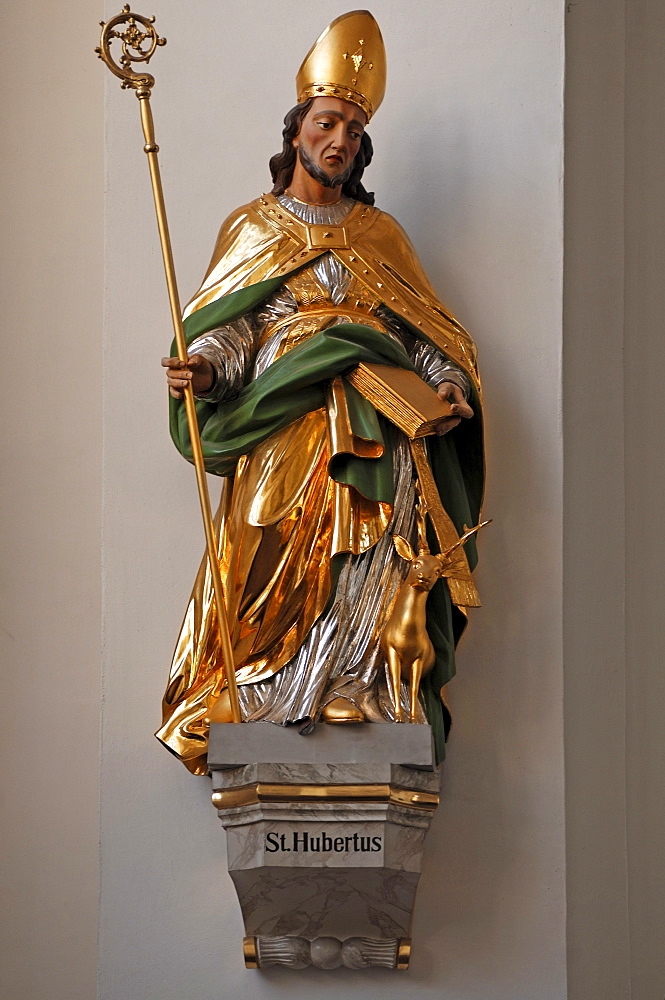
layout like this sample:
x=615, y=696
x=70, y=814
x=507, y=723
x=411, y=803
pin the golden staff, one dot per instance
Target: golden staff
x=139, y=42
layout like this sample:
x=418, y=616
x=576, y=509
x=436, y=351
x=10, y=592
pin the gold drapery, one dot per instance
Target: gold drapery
x=283, y=518
x=280, y=523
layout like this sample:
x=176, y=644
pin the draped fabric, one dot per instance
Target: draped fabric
x=316, y=485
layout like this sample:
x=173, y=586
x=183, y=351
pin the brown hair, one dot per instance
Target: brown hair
x=282, y=164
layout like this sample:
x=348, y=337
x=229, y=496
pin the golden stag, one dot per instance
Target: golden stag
x=405, y=642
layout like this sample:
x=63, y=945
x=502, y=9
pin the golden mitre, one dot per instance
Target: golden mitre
x=348, y=60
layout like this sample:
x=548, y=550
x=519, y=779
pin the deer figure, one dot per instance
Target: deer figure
x=404, y=641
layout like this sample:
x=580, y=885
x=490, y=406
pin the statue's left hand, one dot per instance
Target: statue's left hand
x=459, y=407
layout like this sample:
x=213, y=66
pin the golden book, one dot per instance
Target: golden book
x=402, y=397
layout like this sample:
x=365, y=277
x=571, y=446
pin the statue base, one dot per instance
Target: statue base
x=325, y=836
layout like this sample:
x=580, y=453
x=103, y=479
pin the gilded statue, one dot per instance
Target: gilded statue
x=305, y=283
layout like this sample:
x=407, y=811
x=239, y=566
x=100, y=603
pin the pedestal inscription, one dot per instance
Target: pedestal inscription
x=325, y=856
x=323, y=842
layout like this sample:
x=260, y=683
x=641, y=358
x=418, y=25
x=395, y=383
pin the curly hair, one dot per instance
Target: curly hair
x=282, y=164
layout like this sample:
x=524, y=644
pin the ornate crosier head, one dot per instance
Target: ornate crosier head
x=139, y=41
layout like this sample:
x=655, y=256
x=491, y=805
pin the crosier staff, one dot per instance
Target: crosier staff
x=139, y=42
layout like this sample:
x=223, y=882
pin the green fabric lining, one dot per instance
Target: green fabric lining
x=373, y=478
x=229, y=307
x=294, y=385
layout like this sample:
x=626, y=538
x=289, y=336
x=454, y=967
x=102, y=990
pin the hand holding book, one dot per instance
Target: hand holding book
x=407, y=401
x=450, y=392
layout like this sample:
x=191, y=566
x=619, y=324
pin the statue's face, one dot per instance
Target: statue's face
x=329, y=139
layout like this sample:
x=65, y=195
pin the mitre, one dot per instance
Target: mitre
x=348, y=60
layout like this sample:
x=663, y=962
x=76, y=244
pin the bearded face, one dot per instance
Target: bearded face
x=326, y=168
x=329, y=140
x=326, y=179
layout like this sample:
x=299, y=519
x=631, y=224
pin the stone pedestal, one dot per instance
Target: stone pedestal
x=325, y=837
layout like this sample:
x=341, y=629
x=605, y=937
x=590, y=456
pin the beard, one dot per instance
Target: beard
x=320, y=175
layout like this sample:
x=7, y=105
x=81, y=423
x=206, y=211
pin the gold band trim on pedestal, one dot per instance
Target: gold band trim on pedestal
x=250, y=952
x=244, y=795
x=403, y=953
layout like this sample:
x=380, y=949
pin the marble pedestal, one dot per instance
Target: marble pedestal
x=325, y=838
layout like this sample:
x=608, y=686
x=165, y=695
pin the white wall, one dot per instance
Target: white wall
x=469, y=148
x=51, y=167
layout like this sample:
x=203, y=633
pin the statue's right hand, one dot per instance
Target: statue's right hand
x=197, y=370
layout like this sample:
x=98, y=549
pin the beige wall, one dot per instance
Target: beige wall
x=52, y=281
x=594, y=549
x=614, y=352
x=645, y=489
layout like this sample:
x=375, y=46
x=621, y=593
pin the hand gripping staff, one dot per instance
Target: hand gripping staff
x=139, y=42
